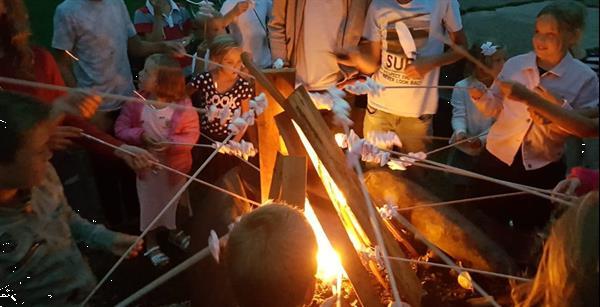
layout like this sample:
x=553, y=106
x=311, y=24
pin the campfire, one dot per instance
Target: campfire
x=331, y=194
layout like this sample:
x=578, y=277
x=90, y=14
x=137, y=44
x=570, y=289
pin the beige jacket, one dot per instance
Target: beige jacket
x=286, y=27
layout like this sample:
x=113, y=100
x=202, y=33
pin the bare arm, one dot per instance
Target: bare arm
x=65, y=65
x=423, y=65
x=366, y=57
x=140, y=48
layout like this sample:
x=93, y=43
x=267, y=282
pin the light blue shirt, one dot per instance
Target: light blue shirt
x=96, y=32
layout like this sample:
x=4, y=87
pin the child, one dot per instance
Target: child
x=467, y=121
x=40, y=264
x=567, y=274
x=208, y=24
x=250, y=29
x=160, y=20
x=221, y=86
x=518, y=148
x=143, y=124
x=271, y=258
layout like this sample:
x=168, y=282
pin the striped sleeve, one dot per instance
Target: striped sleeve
x=143, y=21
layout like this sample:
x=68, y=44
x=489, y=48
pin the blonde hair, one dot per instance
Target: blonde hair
x=571, y=18
x=220, y=45
x=271, y=257
x=170, y=80
x=568, y=271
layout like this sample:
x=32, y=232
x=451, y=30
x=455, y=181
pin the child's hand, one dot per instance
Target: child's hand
x=152, y=144
x=61, y=137
x=78, y=104
x=123, y=241
x=567, y=186
x=139, y=161
x=537, y=118
x=516, y=91
x=457, y=137
x=477, y=91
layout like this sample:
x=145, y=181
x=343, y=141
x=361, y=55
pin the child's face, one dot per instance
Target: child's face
x=233, y=58
x=496, y=62
x=31, y=161
x=147, y=76
x=210, y=28
x=550, y=42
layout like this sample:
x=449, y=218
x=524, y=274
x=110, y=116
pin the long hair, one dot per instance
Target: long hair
x=568, y=271
x=170, y=80
x=14, y=39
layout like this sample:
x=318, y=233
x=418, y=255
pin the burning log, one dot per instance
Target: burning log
x=443, y=226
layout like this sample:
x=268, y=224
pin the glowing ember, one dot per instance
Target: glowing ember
x=329, y=265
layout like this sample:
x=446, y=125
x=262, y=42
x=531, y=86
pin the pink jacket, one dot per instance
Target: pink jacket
x=185, y=128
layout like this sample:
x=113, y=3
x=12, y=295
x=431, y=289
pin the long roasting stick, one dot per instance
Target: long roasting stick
x=93, y=92
x=139, y=238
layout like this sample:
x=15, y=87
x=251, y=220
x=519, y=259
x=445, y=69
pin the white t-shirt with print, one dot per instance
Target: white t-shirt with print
x=407, y=32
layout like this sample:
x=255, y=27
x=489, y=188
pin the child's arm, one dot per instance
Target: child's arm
x=239, y=9
x=459, y=114
x=190, y=130
x=127, y=126
x=245, y=107
x=549, y=107
x=488, y=101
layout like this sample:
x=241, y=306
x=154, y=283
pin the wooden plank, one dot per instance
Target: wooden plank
x=289, y=180
x=268, y=136
x=307, y=117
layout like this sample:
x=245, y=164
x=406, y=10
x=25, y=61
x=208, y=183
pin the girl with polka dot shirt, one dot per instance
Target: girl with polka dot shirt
x=221, y=87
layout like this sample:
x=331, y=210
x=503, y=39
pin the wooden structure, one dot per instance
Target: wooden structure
x=268, y=136
x=300, y=108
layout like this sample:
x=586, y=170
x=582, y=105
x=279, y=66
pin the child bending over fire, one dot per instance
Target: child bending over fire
x=271, y=258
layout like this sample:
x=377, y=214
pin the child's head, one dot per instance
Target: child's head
x=25, y=129
x=162, y=76
x=208, y=24
x=492, y=54
x=558, y=28
x=271, y=258
x=226, y=51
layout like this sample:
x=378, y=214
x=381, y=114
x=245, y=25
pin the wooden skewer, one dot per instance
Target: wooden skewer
x=93, y=92
x=456, y=143
x=151, y=225
x=209, y=146
x=427, y=86
x=404, y=222
x=457, y=268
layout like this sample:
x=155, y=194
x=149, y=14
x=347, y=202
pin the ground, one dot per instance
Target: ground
x=508, y=21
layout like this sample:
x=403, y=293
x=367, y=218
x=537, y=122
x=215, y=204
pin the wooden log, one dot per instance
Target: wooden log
x=289, y=180
x=359, y=276
x=268, y=136
x=443, y=226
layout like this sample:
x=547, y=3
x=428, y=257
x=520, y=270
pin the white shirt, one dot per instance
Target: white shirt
x=250, y=30
x=465, y=115
x=540, y=145
x=407, y=32
x=317, y=67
